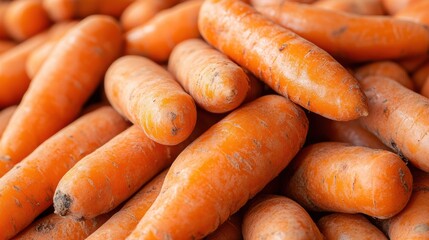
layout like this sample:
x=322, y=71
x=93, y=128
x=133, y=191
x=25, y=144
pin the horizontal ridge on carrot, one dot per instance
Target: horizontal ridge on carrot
x=289, y=64
x=217, y=174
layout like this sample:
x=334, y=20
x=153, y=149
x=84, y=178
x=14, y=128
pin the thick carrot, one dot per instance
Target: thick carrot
x=339, y=177
x=387, y=69
x=229, y=230
x=278, y=217
x=13, y=78
x=362, y=7
x=349, y=36
x=411, y=64
x=216, y=175
x=150, y=97
x=348, y=226
x=394, y=6
x=140, y=11
x=215, y=82
x=60, y=10
x=26, y=18
x=396, y=117
x=6, y=46
x=120, y=225
x=420, y=75
x=157, y=37
x=413, y=221
x=27, y=190
x=63, y=84
x=3, y=9
x=54, y=227
x=416, y=12
x=311, y=78
x=5, y=116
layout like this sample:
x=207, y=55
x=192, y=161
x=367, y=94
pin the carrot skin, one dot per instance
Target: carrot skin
x=229, y=230
x=362, y=7
x=312, y=77
x=420, y=75
x=5, y=116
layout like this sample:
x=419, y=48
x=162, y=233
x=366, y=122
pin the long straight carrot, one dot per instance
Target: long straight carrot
x=338, y=177
x=5, y=116
x=13, y=78
x=27, y=190
x=216, y=175
x=65, y=82
x=362, y=7
x=348, y=226
x=123, y=222
x=396, y=117
x=215, y=82
x=229, y=230
x=286, y=62
x=151, y=98
x=271, y=217
x=156, y=38
x=351, y=37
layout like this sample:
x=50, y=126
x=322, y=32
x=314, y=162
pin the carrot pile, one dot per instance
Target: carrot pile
x=214, y=119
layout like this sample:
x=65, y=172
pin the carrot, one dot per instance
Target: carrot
x=312, y=78
x=420, y=75
x=157, y=37
x=63, y=84
x=3, y=9
x=256, y=88
x=215, y=82
x=396, y=118
x=5, y=116
x=151, y=98
x=60, y=10
x=411, y=64
x=394, y=6
x=229, y=230
x=232, y=161
x=13, y=78
x=6, y=46
x=339, y=177
x=120, y=225
x=25, y=18
x=27, y=190
x=348, y=226
x=55, y=227
x=416, y=12
x=278, y=217
x=141, y=11
x=39, y=55
x=425, y=88
x=352, y=37
x=413, y=221
x=387, y=69
x=362, y=7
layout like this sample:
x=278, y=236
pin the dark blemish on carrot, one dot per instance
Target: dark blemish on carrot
x=18, y=203
x=62, y=203
x=421, y=189
x=45, y=227
x=398, y=151
x=173, y=117
x=421, y=228
x=403, y=182
x=5, y=158
x=282, y=47
x=339, y=31
x=16, y=188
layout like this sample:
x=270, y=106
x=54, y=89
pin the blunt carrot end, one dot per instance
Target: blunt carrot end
x=62, y=203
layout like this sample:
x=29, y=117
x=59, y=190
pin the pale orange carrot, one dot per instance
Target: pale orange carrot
x=394, y=6
x=415, y=12
x=5, y=116
x=362, y=7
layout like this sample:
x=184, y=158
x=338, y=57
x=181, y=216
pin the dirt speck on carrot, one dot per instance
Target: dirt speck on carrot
x=62, y=203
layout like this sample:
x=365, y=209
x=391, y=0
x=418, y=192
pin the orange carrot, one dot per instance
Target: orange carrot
x=387, y=69
x=56, y=227
x=411, y=64
x=348, y=226
x=362, y=7
x=396, y=118
x=229, y=230
x=286, y=62
x=256, y=88
x=25, y=18
x=3, y=9
x=6, y=46
x=394, y=6
x=150, y=97
x=57, y=93
x=339, y=177
x=60, y=10
x=27, y=190
x=416, y=12
x=420, y=75
x=278, y=217
x=156, y=38
x=352, y=37
x=13, y=78
x=216, y=175
x=120, y=225
x=5, y=116
x=425, y=89
x=413, y=221
x=215, y=82
x=140, y=11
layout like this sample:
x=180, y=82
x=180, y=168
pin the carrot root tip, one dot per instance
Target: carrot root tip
x=62, y=203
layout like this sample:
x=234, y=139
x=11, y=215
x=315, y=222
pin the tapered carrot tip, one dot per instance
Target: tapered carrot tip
x=62, y=203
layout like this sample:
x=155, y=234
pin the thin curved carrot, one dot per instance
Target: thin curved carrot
x=286, y=62
x=352, y=37
x=5, y=116
x=415, y=12
x=362, y=7
x=278, y=217
x=63, y=84
x=216, y=175
x=411, y=64
x=396, y=118
x=6, y=46
x=348, y=226
x=394, y=6
x=156, y=38
x=215, y=82
x=387, y=69
x=420, y=75
x=25, y=18
x=151, y=98
x=338, y=177
x=229, y=230
x=27, y=189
